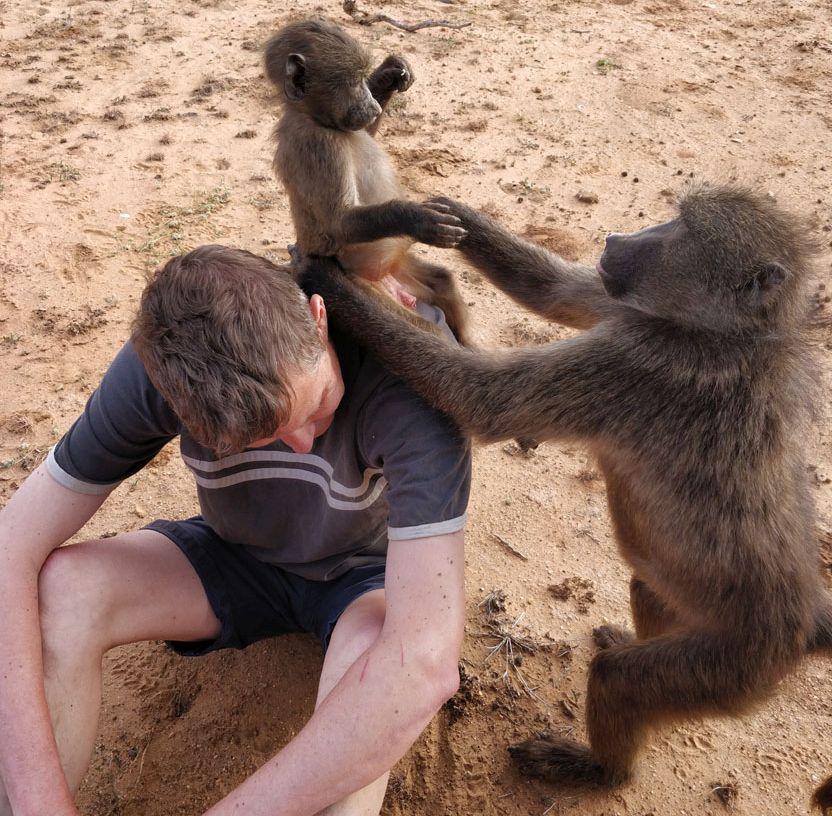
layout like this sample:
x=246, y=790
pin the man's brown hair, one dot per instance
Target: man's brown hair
x=220, y=332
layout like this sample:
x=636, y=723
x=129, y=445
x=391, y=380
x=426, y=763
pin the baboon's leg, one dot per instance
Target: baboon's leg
x=821, y=639
x=633, y=686
x=822, y=798
x=436, y=285
x=822, y=636
x=651, y=617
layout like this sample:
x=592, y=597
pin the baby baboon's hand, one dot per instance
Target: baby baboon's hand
x=394, y=74
x=435, y=224
x=468, y=216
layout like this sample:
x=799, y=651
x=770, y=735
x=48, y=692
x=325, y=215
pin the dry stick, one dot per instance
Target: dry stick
x=513, y=550
x=363, y=18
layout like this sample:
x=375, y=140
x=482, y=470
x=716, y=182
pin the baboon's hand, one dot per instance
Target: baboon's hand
x=394, y=74
x=435, y=224
x=468, y=216
x=318, y=275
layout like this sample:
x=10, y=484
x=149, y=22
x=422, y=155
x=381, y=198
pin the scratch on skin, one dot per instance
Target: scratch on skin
x=401, y=644
x=364, y=670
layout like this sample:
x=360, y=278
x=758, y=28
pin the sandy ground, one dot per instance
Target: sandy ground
x=133, y=129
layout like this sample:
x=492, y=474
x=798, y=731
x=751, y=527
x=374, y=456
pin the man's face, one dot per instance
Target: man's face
x=318, y=394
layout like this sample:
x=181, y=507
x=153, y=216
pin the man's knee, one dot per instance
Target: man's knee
x=74, y=602
x=363, y=620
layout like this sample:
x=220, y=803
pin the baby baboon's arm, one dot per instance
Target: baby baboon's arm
x=559, y=290
x=394, y=75
x=430, y=224
x=543, y=392
x=307, y=155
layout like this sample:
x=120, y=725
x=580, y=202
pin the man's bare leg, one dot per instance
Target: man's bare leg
x=97, y=595
x=356, y=630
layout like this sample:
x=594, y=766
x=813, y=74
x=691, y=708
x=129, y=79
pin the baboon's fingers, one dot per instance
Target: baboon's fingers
x=437, y=206
x=449, y=237
x=442, y=201
x=446, y=212
x=448, y=205
x=608, y=636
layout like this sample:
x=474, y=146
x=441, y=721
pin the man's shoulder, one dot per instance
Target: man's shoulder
x=127, y=388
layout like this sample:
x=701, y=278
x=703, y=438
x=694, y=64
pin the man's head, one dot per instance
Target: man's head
x=237, y=351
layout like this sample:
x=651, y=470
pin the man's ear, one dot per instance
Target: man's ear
x=295, y=84
x=318, y=310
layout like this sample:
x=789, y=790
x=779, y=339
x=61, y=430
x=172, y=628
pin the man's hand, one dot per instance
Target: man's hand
x=385, y=699
x=394, y=74
x=29, y=764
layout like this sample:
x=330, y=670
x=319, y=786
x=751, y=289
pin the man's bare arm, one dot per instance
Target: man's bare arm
x=39, y=517
x=386, y=698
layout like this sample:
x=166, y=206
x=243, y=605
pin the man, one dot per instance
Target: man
x=308, y=458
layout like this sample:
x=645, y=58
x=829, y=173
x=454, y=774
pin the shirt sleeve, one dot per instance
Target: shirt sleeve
x=125, y=423
x=425, y=459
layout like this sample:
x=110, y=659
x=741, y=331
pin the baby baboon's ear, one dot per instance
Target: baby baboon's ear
x=295, y=85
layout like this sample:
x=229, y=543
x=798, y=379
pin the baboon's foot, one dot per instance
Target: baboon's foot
x=562, y=762
x=527, y=443
x=606, y=636
x=822, y=798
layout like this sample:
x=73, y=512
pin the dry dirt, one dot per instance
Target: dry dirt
x=135, y=128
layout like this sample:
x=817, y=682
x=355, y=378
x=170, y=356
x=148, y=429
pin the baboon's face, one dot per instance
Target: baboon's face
x=631, y=260
x=331, y=86
x=642, y=269
x=347, y=103
x=664, y=270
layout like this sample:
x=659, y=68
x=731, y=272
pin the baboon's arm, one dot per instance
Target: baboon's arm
x=316, y=172
x=427, y=223
x=394, y=75
x=557, y=289
x=375, y=221
x=542, y=392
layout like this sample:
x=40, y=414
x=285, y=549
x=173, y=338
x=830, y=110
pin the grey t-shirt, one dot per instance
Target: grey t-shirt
x=389, y=467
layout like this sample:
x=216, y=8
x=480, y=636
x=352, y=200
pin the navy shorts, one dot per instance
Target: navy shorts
x=254, y=600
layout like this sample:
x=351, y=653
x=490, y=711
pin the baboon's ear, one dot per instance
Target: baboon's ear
x=766, y=282
x=295, y=84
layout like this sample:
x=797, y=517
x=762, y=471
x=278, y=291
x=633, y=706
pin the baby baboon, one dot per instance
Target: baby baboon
x=343, y=191
x=692, y=384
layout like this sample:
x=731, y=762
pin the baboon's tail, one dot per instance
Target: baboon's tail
x=822, y=798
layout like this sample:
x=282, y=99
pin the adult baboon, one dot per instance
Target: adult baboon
x=692, y=385
x=343, y=192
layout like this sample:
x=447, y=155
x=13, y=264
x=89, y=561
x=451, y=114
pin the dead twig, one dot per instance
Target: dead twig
x=514, y=551
x=511, y=645
x=363, y=18
x=494, y=603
